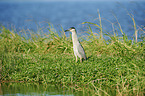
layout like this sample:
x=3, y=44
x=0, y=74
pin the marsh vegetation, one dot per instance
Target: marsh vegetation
x=115, y=66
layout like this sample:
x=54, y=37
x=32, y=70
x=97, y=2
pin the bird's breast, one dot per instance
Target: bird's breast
x=75, y=48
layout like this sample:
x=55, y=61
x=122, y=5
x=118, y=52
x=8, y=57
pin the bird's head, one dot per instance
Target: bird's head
x=71, y=29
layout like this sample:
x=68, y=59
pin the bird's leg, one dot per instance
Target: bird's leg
x=76, y=56
x=76, y=59
x=81, y=60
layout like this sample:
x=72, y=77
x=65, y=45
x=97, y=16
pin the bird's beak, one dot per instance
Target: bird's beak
x=66, y=30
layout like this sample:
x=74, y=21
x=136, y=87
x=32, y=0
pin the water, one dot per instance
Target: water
x=35, y=15
x=35, y=89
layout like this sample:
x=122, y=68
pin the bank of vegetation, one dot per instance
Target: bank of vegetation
x=115, y=66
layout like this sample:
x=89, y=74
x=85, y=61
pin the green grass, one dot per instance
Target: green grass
x=114, y=67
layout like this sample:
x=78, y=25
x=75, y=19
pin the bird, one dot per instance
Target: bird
x=77, y=47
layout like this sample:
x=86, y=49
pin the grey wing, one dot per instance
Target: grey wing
x=81, y=51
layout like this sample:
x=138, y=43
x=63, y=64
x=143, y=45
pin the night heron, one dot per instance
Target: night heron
x=78, y=49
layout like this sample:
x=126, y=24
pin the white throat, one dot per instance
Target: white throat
x=74, y=36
